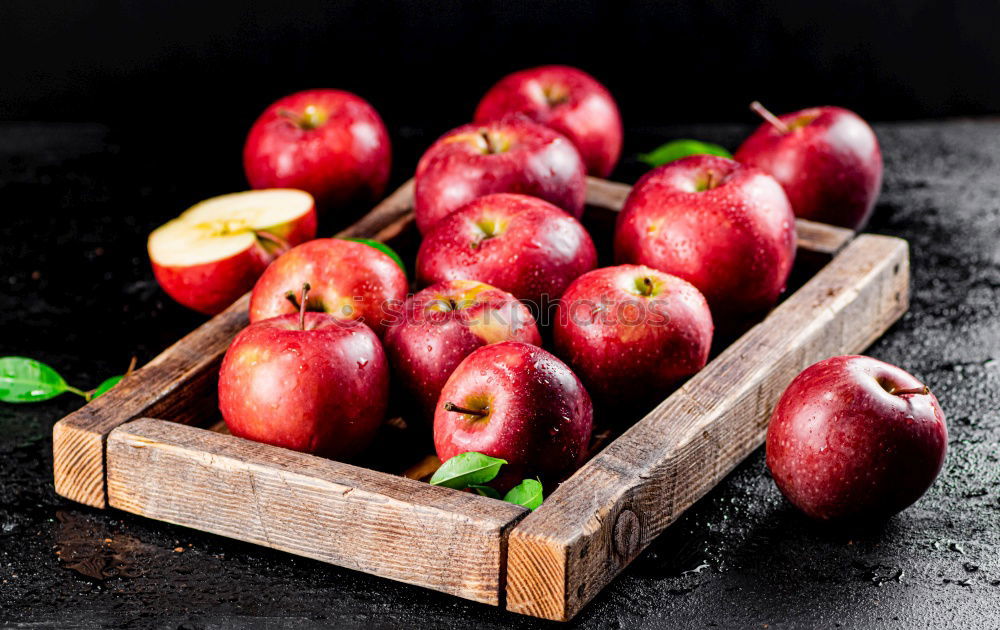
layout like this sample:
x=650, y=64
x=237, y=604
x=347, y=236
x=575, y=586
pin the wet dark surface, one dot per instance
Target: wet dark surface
x=75, y=291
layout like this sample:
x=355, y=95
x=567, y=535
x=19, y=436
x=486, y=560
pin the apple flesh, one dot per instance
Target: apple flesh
x=443, y=324
x=632, y=333
x=565, y=99
x=519, y=244
x=320, y=388
x=348, y=280
x=519, y=403
x=726, y=228
x=827, y=159
x=512, y=154
x=855, y=438
x=330, y=143
x=213, y=253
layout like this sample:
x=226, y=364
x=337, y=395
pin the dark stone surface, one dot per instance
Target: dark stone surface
x=76, y=292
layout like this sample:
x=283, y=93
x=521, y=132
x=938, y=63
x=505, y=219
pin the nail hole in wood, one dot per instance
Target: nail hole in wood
x=895, y=269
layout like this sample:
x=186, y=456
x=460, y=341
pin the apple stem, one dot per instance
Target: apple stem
x=766, y=114
x=647, y=285
x=450, y=406
x=310, y=118
x=913, y=390
x=302, y=305
x=283, y=245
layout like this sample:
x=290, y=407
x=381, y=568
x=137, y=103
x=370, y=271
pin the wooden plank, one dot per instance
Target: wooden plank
x=593, y=525
x=310, y=506
x=179, y=384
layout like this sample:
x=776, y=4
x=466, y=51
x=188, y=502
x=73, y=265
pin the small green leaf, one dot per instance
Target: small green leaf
x=678, y=149
x=26, y=380
x=106, y=385
x=486, y=491
x=467, y=469
x=382, y=247
x=528, y=493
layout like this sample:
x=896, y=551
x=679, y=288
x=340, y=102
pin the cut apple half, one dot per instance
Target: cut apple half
x=214, y=252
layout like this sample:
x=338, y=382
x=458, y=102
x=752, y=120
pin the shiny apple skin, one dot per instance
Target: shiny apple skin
x=539, y=253
x=580, y=108
x=348, y=280
x=443, y=324
x=537, y=161
x=831, y=168
x=540, y=416
x=320, y=390
x=630, y=348
x=735, y=242
x=211, y=287
x=343, y=161
x=840, y=446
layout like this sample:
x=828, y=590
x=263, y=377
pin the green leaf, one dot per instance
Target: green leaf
x=26, y=380
x=528, y=493
x=382, y=247
x=678, y=149
x=486, y=491
x=467, y=469
x=106, y=385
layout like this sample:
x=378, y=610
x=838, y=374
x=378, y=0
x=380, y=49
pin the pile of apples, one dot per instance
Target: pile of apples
x=702, y=242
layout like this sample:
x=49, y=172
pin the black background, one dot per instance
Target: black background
x=215, y=65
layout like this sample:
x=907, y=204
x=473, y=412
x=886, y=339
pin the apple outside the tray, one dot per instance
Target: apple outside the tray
x=826, y=158
x=330, y=143
x=568, y=100
x=855, y=438
x=214, y=252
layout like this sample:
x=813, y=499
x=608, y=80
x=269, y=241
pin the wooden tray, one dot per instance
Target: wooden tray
x=154, y=446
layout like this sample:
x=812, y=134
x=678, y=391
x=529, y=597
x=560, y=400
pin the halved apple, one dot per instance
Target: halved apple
x=214, y=252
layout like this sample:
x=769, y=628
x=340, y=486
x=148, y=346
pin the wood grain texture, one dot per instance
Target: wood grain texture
x=594, y=524
x=334, y=512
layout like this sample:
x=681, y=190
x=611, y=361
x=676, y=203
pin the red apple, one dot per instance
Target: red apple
x=348, y=280
x=214, y=252
x=853, y=437
x=826, y=158
x=726, y=228
x=508, y=155
x=330, y=143
x=568, y=100
x=517, y=402
x=320, y=387
x=445, y=322
x=519, y=244
x=632, y=333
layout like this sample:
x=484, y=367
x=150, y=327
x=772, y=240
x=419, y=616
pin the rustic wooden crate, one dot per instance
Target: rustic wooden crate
x=154, y=446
